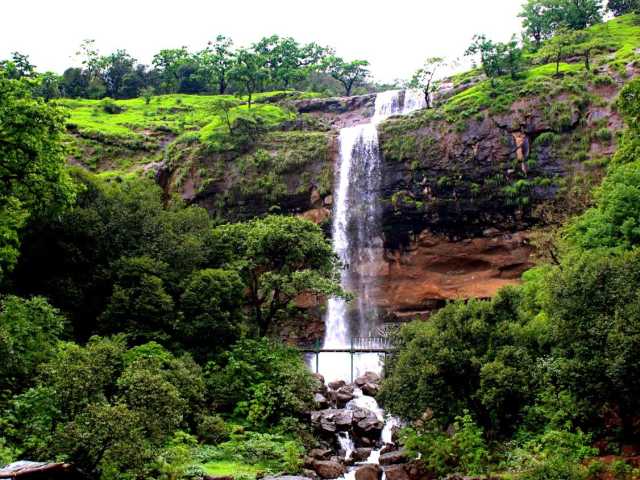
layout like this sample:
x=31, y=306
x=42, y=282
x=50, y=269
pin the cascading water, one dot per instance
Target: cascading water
x=357, y=240
x=357, y=236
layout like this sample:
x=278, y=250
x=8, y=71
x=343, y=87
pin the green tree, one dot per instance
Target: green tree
x=426, y=78
x=167, y=63
x=578, y=14
x=139, y=304
x=622, y=7
x=558, y=47
x=18, y=67
x=538, y=20
x=33, y=176
x=29, y=331
x=248, y=72
x=261, y=380
x=279, y=259
x=113, y=69
x=349, y=74
x=217, y=60
x=497, y=59
x=211, y=310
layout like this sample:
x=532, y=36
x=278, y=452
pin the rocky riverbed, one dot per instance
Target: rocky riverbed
x=357, y=440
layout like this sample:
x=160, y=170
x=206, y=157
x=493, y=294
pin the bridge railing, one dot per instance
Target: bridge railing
x=358, y=345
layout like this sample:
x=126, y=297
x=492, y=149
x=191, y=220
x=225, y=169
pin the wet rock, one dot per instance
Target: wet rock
x=332, y=420
x=337, y=384
x=361, y=454
x=320, y=453
x=370, y=389
x=369, y=472
x=392, y=458
x=396, y=472
x=320, y=401
x=344, y=395
x=370, y=426
x=328, y=468
x=368, y=377
x=388, y=447
x=310, y=474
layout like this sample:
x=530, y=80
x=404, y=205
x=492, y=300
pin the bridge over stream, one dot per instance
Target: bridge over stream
x=358, y=346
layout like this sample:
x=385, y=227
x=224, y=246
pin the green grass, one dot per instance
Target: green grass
x=223, y=468
x=623, y=33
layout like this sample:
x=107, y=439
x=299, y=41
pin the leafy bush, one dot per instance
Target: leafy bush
x=212, y=429
x=465, y=451
x=108, y=105
x=262, y=381
x=275, y=453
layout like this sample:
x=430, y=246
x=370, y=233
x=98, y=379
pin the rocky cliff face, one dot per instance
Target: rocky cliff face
x=464, y=185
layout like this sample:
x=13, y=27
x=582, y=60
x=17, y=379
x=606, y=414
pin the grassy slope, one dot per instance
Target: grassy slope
x=620, y=41
x=122, y=141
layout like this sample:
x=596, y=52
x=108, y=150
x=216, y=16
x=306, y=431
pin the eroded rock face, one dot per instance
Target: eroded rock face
x=415, y=281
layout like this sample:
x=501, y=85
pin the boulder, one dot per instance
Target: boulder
x=332, y=420
x=361, y=454
x=370, y=389
x=310, y=474
x=320, y=401
x=344, y=395
x=392, y=458
x=328, y=469
x=320, y=453
x=337, y=384
x=370, y=426
x=369, y=472
x=396, y=472
x=369, y=377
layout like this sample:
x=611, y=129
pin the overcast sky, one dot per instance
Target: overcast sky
x=394, y=35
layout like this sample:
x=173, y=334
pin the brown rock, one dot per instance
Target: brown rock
x=370, y=389
x=392, y=458
x=337, y=384
x=361, y=454
x=396, y=472
x=369, y=472
x=368, y=377
x=328, y=469
x=320, y=453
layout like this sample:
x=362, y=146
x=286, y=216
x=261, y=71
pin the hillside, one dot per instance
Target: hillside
x=466, y=185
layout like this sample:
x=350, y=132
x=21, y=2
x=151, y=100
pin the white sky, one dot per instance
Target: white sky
x=394, y=35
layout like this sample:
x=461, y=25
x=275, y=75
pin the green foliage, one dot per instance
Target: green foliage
x=622, y=7
x=349, y=74
x=212, y=429
x=497, y=59
x=211, y=309
x=268, y=452
x=32, y=167
x=262, y=381
x=105, y=408
x=464, y=451
x=29, y=331
x=279, y=258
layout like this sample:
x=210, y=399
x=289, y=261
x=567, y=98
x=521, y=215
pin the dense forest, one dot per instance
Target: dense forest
x=140, y=326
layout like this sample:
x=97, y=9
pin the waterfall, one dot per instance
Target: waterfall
x=357, y=235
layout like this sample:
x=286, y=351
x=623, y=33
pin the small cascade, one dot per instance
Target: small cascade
x=346, y=444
